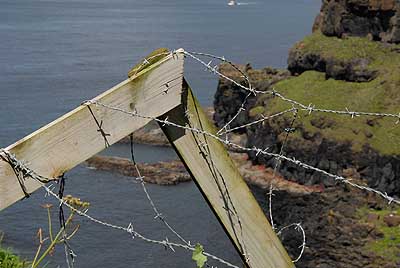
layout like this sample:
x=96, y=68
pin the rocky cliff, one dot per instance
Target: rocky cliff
x=334, y=73
x=378, y=19
x=350, y=62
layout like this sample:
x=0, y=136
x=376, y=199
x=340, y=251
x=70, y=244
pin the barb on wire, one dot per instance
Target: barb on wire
x=215, y=71
x=99, y=125
x=148, y=60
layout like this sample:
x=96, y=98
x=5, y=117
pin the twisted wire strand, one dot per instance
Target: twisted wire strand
x=298, y=227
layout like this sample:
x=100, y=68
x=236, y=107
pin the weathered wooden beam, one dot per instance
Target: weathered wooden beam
x=74, y=137
x=223, y=187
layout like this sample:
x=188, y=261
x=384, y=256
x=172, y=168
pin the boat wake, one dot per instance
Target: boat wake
x=234, y=3
x=245, y=4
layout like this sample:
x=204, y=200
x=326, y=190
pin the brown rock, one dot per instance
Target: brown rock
x=371, y=217
x=351, y=173
x=163, y=173
x=368, y=134
x=317, y=22
x=392, y=220
x=384, y=5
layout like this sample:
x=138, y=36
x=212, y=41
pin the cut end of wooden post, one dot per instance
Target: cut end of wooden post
x=150, y=59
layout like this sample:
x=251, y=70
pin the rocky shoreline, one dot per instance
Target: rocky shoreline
x=334, y=74
x=162, y=173
x=173, y=172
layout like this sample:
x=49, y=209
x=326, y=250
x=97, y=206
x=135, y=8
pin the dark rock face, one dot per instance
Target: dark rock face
x=335, y=237
x=337, y=158
x=355, y=70
x=377, y=18
x=227, y=101
x=229, y=97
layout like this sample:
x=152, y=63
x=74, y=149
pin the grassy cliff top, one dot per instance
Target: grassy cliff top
x=378, y=95
x=386, y=246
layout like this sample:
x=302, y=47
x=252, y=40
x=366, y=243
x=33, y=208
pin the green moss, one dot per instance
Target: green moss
x=152, y=58
x=378, y=95
x=256, y=111
x=387, y=246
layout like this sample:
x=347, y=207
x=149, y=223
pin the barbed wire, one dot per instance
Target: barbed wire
x=22, y=172
x=297, y=227
x=129, y=229
x=296, y=106
x=263, y=118
x=278, y=162
x=256, y=150
x=158, y=214
x=139, y=177
x=28, y=173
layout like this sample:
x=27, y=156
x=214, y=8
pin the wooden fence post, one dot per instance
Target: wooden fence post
x=222, y=186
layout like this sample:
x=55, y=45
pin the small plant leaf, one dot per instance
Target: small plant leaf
x=198, y=256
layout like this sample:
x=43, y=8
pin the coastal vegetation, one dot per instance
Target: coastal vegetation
x=385, y=221
x=315, y=88
x=8, y=259
x=47, y=243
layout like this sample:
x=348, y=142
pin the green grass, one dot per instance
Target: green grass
x=9, y=260
x=347, y=48
x=387, y=246
x=256, y=111
x=378, y=95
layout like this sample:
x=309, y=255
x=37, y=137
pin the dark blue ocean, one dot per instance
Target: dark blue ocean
x=55, y=54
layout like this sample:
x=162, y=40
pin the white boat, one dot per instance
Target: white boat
x=232, y=3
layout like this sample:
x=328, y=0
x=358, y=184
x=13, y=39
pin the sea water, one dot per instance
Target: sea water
x=55, y=53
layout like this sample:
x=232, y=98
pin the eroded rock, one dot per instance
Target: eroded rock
x=378, y=18
x=355, y=70
x=229, y=97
